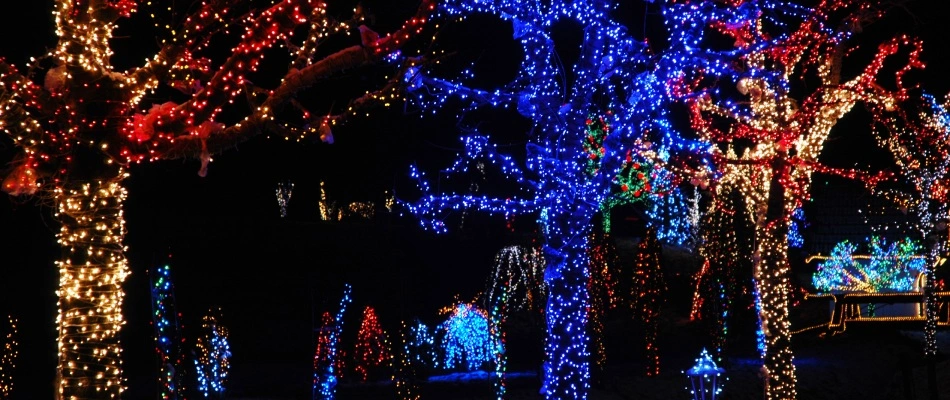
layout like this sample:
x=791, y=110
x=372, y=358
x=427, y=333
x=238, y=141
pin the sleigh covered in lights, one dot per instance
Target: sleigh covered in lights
x=885, y=286
x=900, y=309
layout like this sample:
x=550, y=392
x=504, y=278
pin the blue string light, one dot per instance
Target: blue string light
x=327, y=360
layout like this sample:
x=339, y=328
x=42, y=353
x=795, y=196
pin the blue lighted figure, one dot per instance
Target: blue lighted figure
x=704, y=378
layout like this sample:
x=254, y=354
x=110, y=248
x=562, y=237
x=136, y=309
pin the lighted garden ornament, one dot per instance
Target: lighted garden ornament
x=704, y=378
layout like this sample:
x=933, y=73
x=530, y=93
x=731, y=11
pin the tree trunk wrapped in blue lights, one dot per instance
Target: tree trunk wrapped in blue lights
x=567, y=367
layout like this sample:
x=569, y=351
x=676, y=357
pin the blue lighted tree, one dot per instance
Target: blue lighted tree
x=600, y=132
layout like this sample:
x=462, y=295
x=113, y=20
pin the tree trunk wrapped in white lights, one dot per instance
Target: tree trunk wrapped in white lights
x=92, y=271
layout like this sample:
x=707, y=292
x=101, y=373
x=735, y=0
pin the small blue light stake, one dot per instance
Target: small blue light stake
x=704, y=378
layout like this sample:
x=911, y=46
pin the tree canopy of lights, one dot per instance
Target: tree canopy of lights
x=212, y=356
x=372, y=352
x=466, y=338
x=327, y=361
x=8, y=356
x=168, y=335
x=920, y=145
x=596, y=139
x=78, y=123
x=783, y=126
x=892, y=267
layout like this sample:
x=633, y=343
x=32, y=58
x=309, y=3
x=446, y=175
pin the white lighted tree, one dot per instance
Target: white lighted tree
x=919, y=141
x=79, y=123
x=783, y=126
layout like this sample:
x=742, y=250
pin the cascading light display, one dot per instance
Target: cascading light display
x=466, y=338
x=604, y=295
x=647, y=294
x=212, y=356
x=518, y=278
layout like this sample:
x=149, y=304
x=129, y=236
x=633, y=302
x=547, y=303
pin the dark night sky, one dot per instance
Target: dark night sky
x=231, y=249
